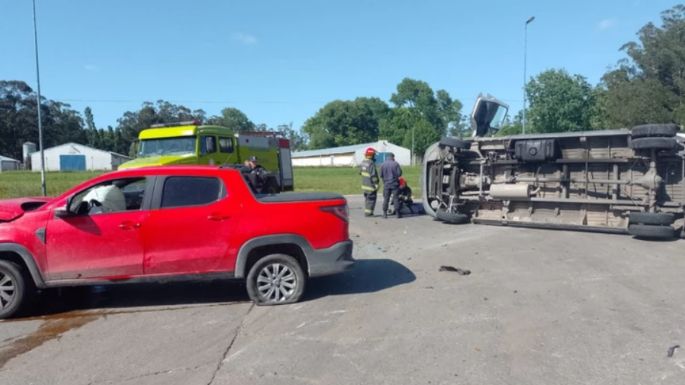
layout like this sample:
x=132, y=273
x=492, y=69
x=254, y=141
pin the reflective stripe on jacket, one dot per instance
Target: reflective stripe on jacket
x=369, y=174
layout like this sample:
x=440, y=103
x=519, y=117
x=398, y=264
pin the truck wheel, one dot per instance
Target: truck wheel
x=651, y=232
x=654, y=219
x=452, y=218
x=649, y=130
x=455, y=143
x=655, y=143
x=12, y=289
x=275, y=279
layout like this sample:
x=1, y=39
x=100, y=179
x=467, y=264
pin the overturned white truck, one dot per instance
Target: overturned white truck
x=621, y=181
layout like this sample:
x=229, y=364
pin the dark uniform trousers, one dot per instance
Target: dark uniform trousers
x=393, y=190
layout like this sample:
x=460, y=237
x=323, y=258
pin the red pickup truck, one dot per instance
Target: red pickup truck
x=158, y=223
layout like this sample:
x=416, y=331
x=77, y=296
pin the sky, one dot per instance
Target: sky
x=280, y=61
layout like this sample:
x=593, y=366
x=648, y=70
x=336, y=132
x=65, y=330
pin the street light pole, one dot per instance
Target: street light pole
x=40, y=121
x=525, y=51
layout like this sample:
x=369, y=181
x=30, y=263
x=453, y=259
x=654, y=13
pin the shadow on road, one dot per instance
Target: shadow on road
x=367, y=276
x=55, y=301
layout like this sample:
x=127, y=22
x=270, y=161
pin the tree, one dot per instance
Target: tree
x=559, y=102
x=649, y=85
x=18, y=119
x=450, y=112
x=132, y=122
x=422, y=113
x=234, y=119
x=298, y=141
x=405, y=122
x=418, y=95
x=341, y=123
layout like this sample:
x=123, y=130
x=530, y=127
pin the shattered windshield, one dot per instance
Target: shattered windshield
x=167, y=146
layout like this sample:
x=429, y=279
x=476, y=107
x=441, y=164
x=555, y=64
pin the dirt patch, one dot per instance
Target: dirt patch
x=51, y=329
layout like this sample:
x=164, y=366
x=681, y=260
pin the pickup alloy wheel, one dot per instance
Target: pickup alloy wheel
x=275, y=279
x=12, y=289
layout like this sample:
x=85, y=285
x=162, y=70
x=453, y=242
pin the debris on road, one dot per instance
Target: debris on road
x=672, y=349
x=455, y=270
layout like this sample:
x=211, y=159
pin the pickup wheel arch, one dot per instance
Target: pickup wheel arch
x=19, y=254
x=270, y=244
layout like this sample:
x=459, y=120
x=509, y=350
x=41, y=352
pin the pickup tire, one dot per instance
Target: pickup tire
x=650, y=130
x=655, y=143
x=452, y=218
x=13, y=288
x=655, y=219
x=275, y=280
x=651, y=232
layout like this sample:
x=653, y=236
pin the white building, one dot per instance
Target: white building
x=77, y=157
x=8, y=164
x=350, y=156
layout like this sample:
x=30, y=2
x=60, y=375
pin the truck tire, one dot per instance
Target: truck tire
x=452, y=218
x=455, y=143
x=655, y=143
x=13, y=289
x=276, y=279
x=651, y=232
x=651, y=130
x=654, y=219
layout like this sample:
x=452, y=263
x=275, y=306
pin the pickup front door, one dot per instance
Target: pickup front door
x=101, y=238
x=190, y=227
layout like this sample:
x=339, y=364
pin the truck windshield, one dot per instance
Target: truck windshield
x=167, y=146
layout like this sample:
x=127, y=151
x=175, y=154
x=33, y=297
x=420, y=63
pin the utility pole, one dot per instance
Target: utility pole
x=525, y=51
x=38, y=104
x=411, y=158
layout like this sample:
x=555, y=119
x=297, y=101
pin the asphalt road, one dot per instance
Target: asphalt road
x=539, y=307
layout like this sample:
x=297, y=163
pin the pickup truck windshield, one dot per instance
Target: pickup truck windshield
x=167, y=146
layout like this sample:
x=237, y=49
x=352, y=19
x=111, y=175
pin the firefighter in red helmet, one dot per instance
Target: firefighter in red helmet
x=370, y=180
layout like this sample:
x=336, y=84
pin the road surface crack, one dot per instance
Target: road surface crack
x=230, y=345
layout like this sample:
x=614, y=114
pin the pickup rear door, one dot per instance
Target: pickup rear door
x=189, y=229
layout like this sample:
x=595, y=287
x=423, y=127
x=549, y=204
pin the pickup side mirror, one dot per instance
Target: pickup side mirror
x=65, y=212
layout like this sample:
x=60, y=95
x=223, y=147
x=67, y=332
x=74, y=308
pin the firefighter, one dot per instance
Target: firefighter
x=369, y=175
x=391, y=173
x=405, y=195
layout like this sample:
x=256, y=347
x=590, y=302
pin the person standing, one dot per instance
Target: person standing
x=370, y=181
x=391, y=173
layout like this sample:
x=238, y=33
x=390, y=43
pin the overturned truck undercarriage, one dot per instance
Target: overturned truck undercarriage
x=621, y=181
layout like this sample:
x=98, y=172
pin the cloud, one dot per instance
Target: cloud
x=606, y=24
x=91, y=68
x=244, y=38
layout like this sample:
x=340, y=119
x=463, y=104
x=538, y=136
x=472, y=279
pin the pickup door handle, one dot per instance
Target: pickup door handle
x=128, y=225
x=217, y=217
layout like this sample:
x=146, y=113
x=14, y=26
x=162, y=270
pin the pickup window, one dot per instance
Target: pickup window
x=181, y=191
